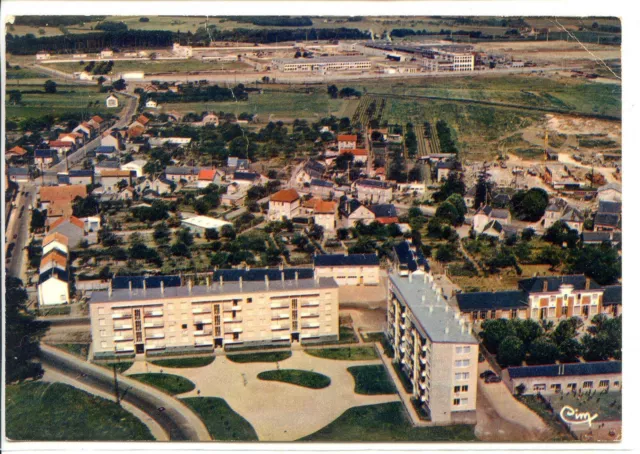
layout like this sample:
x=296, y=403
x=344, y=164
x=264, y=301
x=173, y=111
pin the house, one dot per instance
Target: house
x=174, y=141
x=61, y=147
x=151, y=104
x=106, y=151
x=111, y=101
x=45, y=158
x=159, y=185
x=609, y=207
x=284, y=204
x=553, y=379
x=85, y=129
x=558, y=177
x=321, y=188
x=58, y=200
x=111, y=139
x=610, y=192
x=106, y=164
x=409, y=259
x=140, y=122
x=493, y=229
x=53, y=287
x=208, y=119
x=209, y=176
x=97, y=122
x=91, y=223
x=470, y=197
x=200, y=224
x=235, y=196
x=186, y=173
x=384, y=213
x=373, y=191
x=55, y=241
x=235, y=164
x=351, y=212
x=76, y=177
x=553, y=212
x=311, y=170
x=486, y=214
x=324, y=215
x=73, y=137
x=43, y=55
x=360, y=155
x=53, y=259
x=136, y=167
x=106, y=53
x=347, y=142
x=71, y=227
x=443, y=169
x=349, y=269
x=510, y=304
x=112, y=179
x=18, y=174
x=606, y=222
x=16, y=152
x=247, y=178
x=573, y=218
x=597, y=238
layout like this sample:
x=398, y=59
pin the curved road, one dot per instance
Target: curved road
x=173, y=416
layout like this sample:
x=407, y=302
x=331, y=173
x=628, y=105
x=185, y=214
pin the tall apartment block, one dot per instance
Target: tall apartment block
x=220, y=314
x=434, y=347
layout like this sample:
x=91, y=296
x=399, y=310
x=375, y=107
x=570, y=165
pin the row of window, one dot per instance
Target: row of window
x=460, y=376
x=458, y=402
x=557, y=387
x=463, y=349
x=462, y=363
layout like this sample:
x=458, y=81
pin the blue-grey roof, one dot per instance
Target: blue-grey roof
x=605, y=206
x=80, y=173
x=349, y=206
x=410, y=259
x=477, y=301
x=45, y=153
x=258, y=274
x=53, y=272
x=373, y=183
x=314, y=168
x=446, y=165
x=607, y=219
x=322, y=183
x=612, y=295
x=63, y=179
x=122, y=282
x=557, y=370
x=246, y=176
x=346, y=260
x=386, y=210
x=595, y=237
x=109, y=164
x=173, y=170
x=17, y=171
x=105, y=149
x=536, y=284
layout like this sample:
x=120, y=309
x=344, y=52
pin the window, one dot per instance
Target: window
x=462, y=363
x=572, y=385
x=184, y=326
x=103, y=333
x=539, y=387
x=461, y=389
x=565, y=310
x=456, y=402
x=587, y=385
x=483, y=315
x=493, y=313
x=199, y=326
x=236, y=336
x=249, y=300
x=102, y=322
x=103, y=344
x=514, y=313
x=616, y=383
x=460, y=350
x=462, y=376
x=603, y=384
x=101, y=311
x=556, y=387
x=474, y=315
x=464, y=401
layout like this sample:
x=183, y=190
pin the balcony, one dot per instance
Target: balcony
x=233, y=330
x=422, y=385
x=154, y=324
x=156, y=313
x=154, y=336
x=201, y=310
x=203, y=332
x=423, y=360
x=156, y=346
x=233, y=320
x=280, y=306
x=310, y=304
x=123, y=338
x=203, y=343
x=231, y=308
x=121, y=327
x=124, y=349
x=309, y=315
x=120, y=316
x=280, y=327
x=311, y=326
x=204, y=321
x=280, y=317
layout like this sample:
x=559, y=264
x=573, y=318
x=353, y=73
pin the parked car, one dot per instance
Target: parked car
x=487, y=373
x=493, y=379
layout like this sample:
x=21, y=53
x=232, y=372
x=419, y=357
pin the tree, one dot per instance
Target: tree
x=494, y=331
x=601, y=263
x=561, y=234
x=452, y=185
x=550, y=255
x=119, y=85
x=333, y=91
x=446, y=253
x=527, y=330
x=184, y=236
x=543, y=351
x=228, y=232
x=161, y=233
x=530, y=205
x=448, y=213
x=565, y=330
x=101, y=80
x=22, y=335
x=510, y=352
x=211, y=234
x=528, y=234
x=84, y=207
x=50, y=87
x=483, y=189
x=15, y=97
x=38, y=219
x=569, y=350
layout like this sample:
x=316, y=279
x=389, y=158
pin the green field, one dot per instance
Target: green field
x=68, y=99
x=344, y=353
x=121, y=366
x=198, y=361
x=266, y=357
x=57, y=412
x=81, y=350
x=386, y=422
x=172, y=384
x=155, y=66
x=24, y=73
x=303, y=378
x=372, y=380
x=608, y=406
x=222, y=422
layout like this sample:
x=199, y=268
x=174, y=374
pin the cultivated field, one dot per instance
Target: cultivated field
x=156, y=66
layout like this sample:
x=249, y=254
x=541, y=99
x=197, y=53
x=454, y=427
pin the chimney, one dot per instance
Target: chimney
x=190, y=285
x=130, y=288
x=587, y=285
x=545, y=285
x=208, y=282
x=144, y=285
x=240, y=281
x=110, y=289
x=221, y=281
x=410, y=277
x=162, y=287
x=266, y=281
x=296, y=276
x=446, y=329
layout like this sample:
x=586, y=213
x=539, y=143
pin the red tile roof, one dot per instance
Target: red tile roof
x=60, y=198
x=17, y=150
x=116, y=173
x=72, y=219
x=347, y=138
x=285, y=196
x=142, y=120
x=97, y=119
x=356, y=152
x=54, y=257
x=58, y=143
x=324, y=207
x=55, y=236
x=207, y=174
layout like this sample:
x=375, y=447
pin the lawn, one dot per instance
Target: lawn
x=169, y=383
x=222, y=422
x=608, y=406
x=121, y=366
x=539, y=407
x=58, y=412
x=386, y=422
x=344, y=353
x=372, y=380
x=81, y=350
x=261, y=357
x=198, y=361
x=304, y=378
x=24, y=73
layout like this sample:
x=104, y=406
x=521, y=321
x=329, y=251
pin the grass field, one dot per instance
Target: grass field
x=266, y=357
x=198, y=361
x=155, y=66
x=24, y=73
x=344, y=353
x=121, y=366
x=608, y=406
x=57, y=412
x=81, y=350
x=560, y=432
x=304, y=378
x=372, y=380
x=386, y=422
x=68, y=99
x=222, y=422
x=172, y=384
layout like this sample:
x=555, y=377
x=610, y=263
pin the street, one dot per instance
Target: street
x=17, y=232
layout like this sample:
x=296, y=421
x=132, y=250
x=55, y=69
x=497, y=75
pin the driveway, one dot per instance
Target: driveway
x=277, y=411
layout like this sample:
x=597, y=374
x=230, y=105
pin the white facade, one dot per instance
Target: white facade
x=53, y=292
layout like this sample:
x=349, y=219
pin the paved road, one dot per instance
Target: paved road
x=175, y=418
x=18, y=227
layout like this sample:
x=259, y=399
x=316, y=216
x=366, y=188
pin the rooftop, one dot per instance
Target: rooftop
x=320, y=60
x=346, y=260
x=122, y=282
x=409, y=258
x=578, y=281
x=475, y=301
x=433, y=316
x=285, y=196
x=612, y=295
x=557, y=370
x=203, y=292
x=373, y=183
x=322, y=183
x=258, y=274
x=206, y=222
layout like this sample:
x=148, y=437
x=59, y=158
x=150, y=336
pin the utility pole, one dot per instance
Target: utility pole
x=115, y=385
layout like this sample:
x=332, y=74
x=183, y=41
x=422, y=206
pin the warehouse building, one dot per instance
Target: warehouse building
x=337, y=63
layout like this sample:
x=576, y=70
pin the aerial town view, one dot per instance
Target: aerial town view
x=313, y=229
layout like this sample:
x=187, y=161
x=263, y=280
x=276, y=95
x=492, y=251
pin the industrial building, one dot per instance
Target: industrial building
x=337, y=63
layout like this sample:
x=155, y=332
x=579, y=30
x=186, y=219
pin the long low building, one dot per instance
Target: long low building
x=350, y=269
x=563, y=378
x=218, y=315
x=200, y=224
x=337, y=63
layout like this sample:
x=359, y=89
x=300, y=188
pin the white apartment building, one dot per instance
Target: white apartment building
x=350, y=269
x=435, y=348
x=224, y=314
x=450, y=61
x=336, y=63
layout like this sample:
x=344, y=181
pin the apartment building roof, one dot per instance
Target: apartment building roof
x=347, y=138
x=332, y=59
x=122, y=282
x=72, y=219
x=62, y=193
x=409, y=258
x=386, y=210
x=17, y=171
x=373, y=184
x=536, y=284
x=346, y=260
x=324, y=207
x=558, y=370
x=258, y=274
x=433, y=316
x=476, y=301
x=202, y=292
x=173, y=170
x=612, y=295
x=246, y=176
x=614, y=186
